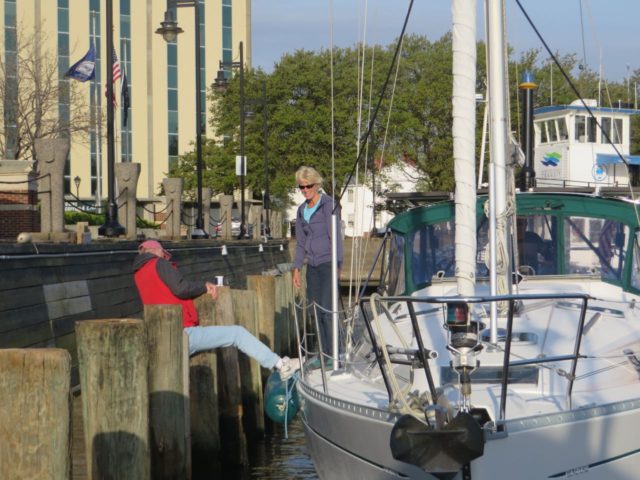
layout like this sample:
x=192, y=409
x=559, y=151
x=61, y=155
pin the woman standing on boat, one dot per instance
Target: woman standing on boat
x=313, y=246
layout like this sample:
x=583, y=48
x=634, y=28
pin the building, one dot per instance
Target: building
x=571, y=151
x=161, y=122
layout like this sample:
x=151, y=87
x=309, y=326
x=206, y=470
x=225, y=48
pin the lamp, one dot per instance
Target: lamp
x=220, y=84
x=111, y=227
x=76, y=181
x=170, y=30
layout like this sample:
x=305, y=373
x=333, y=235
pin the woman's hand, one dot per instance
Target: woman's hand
x=296, y=278
x=212, y=290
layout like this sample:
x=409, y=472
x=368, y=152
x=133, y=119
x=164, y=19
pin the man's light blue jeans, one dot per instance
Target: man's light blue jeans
x=208, y=338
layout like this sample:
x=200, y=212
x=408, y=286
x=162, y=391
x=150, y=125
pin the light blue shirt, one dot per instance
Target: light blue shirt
x=308, y=211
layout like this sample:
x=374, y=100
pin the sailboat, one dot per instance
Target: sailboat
x=505, y=343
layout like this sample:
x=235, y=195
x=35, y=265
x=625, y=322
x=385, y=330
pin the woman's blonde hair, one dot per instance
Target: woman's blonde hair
x=309, y=175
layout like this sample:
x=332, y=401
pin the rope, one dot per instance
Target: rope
x=399, y=394
x=15, y=182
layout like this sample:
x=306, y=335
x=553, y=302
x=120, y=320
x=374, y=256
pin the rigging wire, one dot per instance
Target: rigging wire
x=583, y=66
x=375, y=112
x=584, y=104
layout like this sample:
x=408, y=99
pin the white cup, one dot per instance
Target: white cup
x=219, y=280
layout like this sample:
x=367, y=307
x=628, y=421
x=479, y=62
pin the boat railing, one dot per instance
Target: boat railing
x=424, y=355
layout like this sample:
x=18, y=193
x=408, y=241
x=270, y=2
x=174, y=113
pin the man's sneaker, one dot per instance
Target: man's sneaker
x=288, y=368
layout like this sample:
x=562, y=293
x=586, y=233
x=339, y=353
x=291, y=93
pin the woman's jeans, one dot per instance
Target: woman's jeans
x=208, y=338
x=319, y=291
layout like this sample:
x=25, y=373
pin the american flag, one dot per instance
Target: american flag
x=117, y=74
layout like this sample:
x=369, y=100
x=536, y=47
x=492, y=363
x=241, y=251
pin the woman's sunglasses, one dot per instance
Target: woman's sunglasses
x=305, y=187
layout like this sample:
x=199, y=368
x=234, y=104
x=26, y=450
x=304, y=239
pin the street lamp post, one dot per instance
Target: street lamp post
x=262, y=101
x=266, y=201
x=170, y=30
x=221, y=83
x=76, y=181
x=111, y=227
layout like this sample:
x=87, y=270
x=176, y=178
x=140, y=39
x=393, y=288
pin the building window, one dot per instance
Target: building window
x=96, y=98
x=11, y=58
x=172, y=113
x=63, y=83
x=227, y=34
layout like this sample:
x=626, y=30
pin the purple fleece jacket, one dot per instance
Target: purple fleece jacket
x=313, y=239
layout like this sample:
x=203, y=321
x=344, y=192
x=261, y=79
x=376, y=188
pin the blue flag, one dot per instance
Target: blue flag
x=85, y=68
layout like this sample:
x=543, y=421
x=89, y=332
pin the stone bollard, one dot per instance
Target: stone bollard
x=173, y=193
x=206, y=211
x=51, y=154
x=127, y=175
x=113, y=361
x=276, y=224
x=168, y=425
x=35, y=430
x=256, y=217
x=226, y=203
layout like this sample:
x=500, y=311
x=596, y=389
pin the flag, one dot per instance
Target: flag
x=85, y=68
x=125, y=99
x=117, y=74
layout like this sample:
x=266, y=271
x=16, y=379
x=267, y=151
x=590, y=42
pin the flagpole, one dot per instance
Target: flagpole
x=97, y=111
x=124, y=127
x=111, y=227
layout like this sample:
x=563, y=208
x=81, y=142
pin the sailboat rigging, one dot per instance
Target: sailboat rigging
x=454, y=371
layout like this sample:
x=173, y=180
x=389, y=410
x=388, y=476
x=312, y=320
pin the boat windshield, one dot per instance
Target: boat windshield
x=550, y=244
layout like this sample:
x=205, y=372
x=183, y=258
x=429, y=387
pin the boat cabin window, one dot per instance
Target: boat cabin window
x=395, y=272
x=536, y=244
x=563, y=132
x=544, y=138
x=613, y=128
x=433, y=251
x=595, y=245
x=635, y=271
x=585, y=129
x=552, y=131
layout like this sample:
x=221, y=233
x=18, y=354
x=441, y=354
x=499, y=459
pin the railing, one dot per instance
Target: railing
x=423, y=355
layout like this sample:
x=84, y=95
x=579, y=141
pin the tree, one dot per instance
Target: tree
x=37, y=102
x=416, y=107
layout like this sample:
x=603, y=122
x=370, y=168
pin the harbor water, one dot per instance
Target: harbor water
x=280, y=458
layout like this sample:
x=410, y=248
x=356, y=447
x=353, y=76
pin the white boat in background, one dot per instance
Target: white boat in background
x=487, y=357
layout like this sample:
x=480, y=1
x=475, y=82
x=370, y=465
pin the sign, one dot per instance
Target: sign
x=599, y=173
x=241, y=166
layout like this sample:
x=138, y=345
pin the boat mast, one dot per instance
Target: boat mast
x=464, y=145
x=498, y=221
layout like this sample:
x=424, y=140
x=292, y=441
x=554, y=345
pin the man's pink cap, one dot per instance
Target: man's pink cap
x=153, y=244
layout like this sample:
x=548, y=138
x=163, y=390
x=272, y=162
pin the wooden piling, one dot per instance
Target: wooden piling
x=245, y=307
x=233, y=439
x=168, y=432
x=203, y=388
x=264, y=286
x=280, y=323
x=113, y=363
x=35, y=434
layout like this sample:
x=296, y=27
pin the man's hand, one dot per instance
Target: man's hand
x=212, y=290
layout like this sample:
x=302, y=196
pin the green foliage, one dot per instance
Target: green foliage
x=73, y=217
x=304, y=119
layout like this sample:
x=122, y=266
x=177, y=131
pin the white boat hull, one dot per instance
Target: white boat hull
x=347, y=441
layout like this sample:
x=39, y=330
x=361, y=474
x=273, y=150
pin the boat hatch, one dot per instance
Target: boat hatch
x=524, y=374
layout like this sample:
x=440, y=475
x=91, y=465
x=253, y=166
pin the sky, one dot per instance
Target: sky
x=607, y=29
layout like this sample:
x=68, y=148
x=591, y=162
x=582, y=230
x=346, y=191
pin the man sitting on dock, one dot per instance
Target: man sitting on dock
x=160, y=282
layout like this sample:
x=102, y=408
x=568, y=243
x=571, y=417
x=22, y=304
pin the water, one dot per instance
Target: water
x=280, y=458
